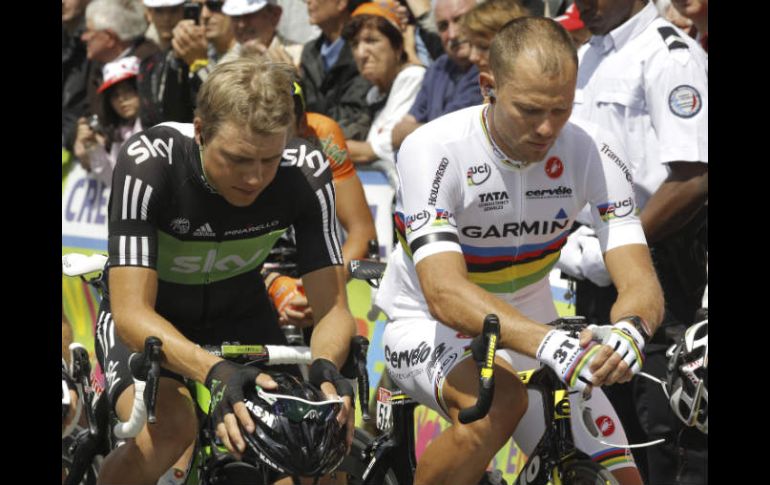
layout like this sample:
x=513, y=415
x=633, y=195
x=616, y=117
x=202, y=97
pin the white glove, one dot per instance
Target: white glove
x=592, y=263
x=564, y=355
x=624, y=339
x=571, y=255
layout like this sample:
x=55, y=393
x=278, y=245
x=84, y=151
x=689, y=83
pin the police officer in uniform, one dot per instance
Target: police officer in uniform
x=647, y=82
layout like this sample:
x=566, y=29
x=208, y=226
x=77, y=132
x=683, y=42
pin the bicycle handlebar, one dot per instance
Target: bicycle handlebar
x=483, y=349
x=370, y=271
x=145, y=370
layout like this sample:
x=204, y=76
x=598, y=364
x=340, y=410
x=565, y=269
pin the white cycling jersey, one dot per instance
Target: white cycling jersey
x=458, y=192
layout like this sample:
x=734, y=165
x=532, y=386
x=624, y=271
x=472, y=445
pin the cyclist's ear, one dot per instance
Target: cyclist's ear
x=198, y=131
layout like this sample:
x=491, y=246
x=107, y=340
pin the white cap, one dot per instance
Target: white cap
x=119, y=70
x=235, y=8
x=162, y=3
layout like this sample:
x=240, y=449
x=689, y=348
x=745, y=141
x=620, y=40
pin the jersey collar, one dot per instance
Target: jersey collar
x=499, y=154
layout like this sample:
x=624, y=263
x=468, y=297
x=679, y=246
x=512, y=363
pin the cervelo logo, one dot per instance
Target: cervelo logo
x=195, y=264
x=143, y=148
x=408, y=357
x=612, y=210
x=479, y=174
x=416, y=221
x=560, y=192
x=300, y=156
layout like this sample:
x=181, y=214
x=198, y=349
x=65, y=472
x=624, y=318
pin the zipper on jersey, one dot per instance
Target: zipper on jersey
x=205, y=321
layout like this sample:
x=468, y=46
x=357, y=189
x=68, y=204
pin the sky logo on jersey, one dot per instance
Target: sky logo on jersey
x=142, y=149
x=612, y=210
x=417, y=221
x=444, y=217
x=479, y=174
x=300, y=156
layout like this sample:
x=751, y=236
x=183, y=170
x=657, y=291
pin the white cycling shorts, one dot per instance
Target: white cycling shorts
x=420, y=353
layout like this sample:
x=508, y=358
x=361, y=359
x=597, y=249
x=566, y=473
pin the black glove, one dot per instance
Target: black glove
x=226, y=382
x=323, y=370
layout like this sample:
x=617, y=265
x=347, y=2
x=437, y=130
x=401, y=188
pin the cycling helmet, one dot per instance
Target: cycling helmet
x=296, y=430
x=688, y=376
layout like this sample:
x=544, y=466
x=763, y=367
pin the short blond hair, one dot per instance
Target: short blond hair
x=541, y=38
x=487, y=18
x=255, y=93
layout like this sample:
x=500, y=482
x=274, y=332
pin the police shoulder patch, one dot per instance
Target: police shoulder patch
x=672, y=38
x=685, y=101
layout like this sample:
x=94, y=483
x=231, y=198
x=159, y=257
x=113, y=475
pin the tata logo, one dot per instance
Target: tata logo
x=142, y=149
x=416, y=221
x=612, y=210
x=195, y=264
x=493, y=196
x=300, y=156
x=479, y=174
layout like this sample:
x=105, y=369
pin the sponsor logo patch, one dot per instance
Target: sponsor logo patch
x=479, y=174
x=416, y=221
x=612, y=210
x=554, y=167
x=560, y=192
x=180, y=225
x=491, y=201
x=444, y=217
x=437, y=181
x=606, y=425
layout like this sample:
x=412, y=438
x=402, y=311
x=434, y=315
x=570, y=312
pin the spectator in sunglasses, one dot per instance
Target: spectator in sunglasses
x=255, y=25
x=202, y=45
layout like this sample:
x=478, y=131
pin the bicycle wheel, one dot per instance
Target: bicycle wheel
x=586, y=472
x=354, y=464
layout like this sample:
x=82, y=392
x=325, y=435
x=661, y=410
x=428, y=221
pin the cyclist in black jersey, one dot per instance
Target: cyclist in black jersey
x=194, y=211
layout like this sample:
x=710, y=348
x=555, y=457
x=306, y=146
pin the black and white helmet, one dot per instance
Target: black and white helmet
x=688, y=376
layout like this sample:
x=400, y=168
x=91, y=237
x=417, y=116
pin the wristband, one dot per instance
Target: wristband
x=640, y=325
x=198, y=64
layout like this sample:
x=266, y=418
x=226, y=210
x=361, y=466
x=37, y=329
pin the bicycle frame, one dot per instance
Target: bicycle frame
x=556, y=446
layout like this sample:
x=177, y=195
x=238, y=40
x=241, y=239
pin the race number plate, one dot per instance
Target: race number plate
x=384, y=410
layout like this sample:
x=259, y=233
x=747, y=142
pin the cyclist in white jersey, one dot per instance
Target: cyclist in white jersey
x=486, y=199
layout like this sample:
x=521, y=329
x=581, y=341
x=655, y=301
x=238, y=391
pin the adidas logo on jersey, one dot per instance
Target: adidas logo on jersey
x=204, y=231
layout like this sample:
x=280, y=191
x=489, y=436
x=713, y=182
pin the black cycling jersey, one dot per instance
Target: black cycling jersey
x=208, y=253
